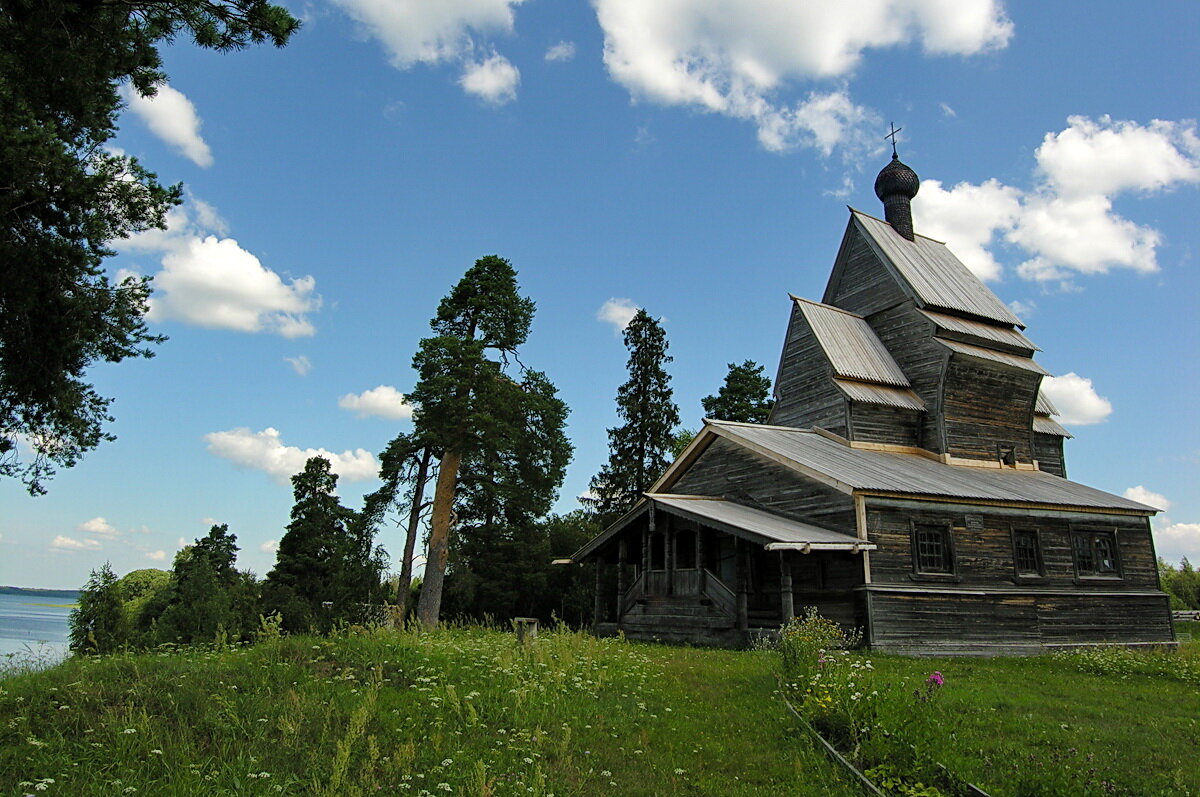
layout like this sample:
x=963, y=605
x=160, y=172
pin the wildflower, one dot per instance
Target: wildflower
x=129, y=730
x=935, y=678
x=156, y=751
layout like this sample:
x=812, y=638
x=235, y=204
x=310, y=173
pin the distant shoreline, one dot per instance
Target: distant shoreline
x=40, y=593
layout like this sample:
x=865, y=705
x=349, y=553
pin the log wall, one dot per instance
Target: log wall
x=805, y=394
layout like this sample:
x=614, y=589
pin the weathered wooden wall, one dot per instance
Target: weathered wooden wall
x=1048, y=451
x=874, y=423
x=730, y=471
x=805, y=393
x=986, y=405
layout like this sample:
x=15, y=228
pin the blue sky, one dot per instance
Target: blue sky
x=692, y=158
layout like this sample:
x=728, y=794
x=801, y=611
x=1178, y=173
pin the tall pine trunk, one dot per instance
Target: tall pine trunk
x=410, y=537
x=429, y=606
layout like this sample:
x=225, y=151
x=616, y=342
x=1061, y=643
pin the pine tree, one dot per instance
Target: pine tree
x=745, y=397
x=471, y=410
x=207, y=596
x=405, y=467
x=639, y=448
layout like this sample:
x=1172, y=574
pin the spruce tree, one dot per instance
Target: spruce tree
x=323, y=558
x=639, y=449
x=97, y=621
x=745, y=397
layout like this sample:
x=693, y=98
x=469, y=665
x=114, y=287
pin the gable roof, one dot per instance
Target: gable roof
x=851, y=346
x=930, y=273
x=772, y=531
x=852, y=470
x=993, y=333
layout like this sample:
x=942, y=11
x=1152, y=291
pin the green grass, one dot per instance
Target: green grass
x=460, y=711
x=406, y=712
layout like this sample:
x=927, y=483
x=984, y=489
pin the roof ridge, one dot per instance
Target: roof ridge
x=857, y=212
x=796, y=298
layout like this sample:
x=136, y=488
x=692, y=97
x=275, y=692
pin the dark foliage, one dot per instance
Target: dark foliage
x=97, y=622
x=64, y=196
x=640, y=447
x=745, y=397
x=326, y=569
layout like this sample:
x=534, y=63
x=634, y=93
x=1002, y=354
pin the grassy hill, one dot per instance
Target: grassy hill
x=469, y=711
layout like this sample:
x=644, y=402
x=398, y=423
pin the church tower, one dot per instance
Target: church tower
x=909, y=348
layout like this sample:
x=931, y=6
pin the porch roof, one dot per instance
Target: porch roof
x=773, y=532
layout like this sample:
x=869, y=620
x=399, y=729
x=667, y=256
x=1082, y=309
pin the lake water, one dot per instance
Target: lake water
x=28, y=627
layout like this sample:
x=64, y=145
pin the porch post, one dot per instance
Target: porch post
x=785, y=586
x=645, y=551
x=598, y=616
x=669, y=555
x=701, y=574
x=622, y=556
x=743, y=604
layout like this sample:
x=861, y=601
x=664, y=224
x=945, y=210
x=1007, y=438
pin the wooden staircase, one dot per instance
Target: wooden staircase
x=679, y=618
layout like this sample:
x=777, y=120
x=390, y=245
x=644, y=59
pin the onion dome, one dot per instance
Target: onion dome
x=896, y=185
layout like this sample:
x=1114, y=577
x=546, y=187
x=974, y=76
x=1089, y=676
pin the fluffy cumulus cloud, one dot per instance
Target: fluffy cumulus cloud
x=1144, y=496
x=1066, y=224
x=99, y=527
x=618, y=312
x=384, y=401
x=172, y=117
x=1172, y=541
x=1076, y=400
x=270, y=546
x=266, y=451
x=423, y=32
x=563, y=51
x=156, y=556
x=61, y=543
x=211, y=281
x=494, y=79
x=736, y=57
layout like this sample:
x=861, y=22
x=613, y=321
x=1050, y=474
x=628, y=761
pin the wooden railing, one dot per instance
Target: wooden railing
x=721, y=595
x=687, y=582
x=656, y=582
x=632, y=595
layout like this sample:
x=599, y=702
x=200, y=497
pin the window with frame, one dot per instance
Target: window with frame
x=1027, y=557
x=932, y=551
x=1095, y=553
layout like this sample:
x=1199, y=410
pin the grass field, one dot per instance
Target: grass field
x=468, y=711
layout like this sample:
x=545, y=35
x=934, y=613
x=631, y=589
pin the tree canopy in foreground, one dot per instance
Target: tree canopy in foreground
x=66, y=193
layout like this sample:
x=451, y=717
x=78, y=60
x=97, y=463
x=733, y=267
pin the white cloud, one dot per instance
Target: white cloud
x=1067, y=224
x=270, y=546
x=265, y=451
x=301, y=365
x=618, y=312
x=212, y=281
x=948, y=111
x=1023, y=309
x=1174, y=541
x=734, y=57
x=563, y=51
x=1144, y=496
x=172, y=117
x=157, y=556
x=384, y=401
x=98, y=526
x=420, y=31
x=494, y=79
x=62, y=543
x=424, y=32
x=181, y=542
x=1077, y=402
x=967, y=217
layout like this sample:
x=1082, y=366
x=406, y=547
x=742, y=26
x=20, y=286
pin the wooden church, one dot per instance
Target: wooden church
x=910, y=481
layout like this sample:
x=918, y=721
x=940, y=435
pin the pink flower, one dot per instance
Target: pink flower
x=935, y=679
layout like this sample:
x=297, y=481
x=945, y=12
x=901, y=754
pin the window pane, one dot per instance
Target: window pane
x=1106, y=558
x=1025, y=545
x=932, y=550
x=1084, y=561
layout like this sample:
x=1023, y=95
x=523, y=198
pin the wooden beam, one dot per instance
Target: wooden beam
x=785, y=587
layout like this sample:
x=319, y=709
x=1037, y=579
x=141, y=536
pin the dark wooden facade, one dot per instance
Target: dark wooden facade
x=910, y=481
